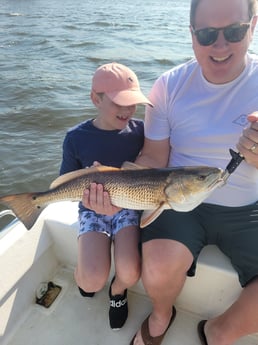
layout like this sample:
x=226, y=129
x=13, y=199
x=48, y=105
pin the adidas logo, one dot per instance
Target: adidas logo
x=118, y=304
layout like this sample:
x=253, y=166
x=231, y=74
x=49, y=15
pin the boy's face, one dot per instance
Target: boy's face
x=111, y=116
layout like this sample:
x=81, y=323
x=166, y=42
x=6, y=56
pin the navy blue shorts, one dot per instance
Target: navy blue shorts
x=233, y=229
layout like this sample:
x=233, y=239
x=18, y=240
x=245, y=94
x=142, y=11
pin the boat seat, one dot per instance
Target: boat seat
x=214, y=287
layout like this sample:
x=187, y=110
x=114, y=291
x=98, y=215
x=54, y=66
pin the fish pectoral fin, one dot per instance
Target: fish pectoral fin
x=132, y=166
x=78, y=173
x=148, y=216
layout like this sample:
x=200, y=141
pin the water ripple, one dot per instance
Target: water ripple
x=49, y=52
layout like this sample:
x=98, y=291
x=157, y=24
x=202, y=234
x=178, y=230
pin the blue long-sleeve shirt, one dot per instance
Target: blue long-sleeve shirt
x=84, y=144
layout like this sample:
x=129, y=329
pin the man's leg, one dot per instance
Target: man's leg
x=239, y=320
x=164, y=269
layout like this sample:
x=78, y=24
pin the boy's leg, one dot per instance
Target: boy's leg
x=127, y=273
x=126, y=259
x=94, y=258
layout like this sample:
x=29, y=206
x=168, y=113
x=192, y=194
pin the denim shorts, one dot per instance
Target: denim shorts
x=233, y=229
x=109, y=225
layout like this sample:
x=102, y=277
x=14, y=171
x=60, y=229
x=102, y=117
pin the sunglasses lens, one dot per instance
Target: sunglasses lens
x=206, y=36
x=236, y=33
x=232, y=33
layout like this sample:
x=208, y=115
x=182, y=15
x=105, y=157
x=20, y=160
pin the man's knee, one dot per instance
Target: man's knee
x=164, y=260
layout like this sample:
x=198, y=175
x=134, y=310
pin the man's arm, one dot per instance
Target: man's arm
x=155, y=153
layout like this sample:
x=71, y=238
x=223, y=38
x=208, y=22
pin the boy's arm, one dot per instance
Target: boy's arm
x=154, y=154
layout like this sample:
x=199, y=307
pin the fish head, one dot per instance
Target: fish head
x=187, y=187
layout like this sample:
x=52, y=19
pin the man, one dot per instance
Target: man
x=201, y=109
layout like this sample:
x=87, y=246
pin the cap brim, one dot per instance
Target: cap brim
x=128, y=97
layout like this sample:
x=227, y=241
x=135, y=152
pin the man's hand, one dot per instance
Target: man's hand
x=248, y=142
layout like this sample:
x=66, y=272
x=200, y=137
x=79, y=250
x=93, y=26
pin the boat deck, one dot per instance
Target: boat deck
x=48, y=252
x=73, y=319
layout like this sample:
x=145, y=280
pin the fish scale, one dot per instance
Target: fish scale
x=151, y=190
x=139, y=189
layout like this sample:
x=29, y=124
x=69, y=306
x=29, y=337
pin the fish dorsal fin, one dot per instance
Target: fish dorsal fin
x=78, y=173
x=132, y=166
x=148, y=216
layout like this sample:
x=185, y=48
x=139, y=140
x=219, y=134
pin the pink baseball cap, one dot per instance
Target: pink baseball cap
x=119, y=83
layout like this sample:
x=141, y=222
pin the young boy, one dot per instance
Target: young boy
x=111, y=138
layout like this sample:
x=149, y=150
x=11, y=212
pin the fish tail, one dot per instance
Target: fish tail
x=24, y=207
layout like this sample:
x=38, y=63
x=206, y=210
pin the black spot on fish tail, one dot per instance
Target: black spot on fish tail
x=24, y=207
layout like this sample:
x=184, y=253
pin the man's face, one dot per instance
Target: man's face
x=222, y=61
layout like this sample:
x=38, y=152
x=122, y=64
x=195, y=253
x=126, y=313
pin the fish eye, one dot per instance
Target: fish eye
x=201, y=177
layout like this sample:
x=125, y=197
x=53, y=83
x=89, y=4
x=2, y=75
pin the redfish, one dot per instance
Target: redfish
x=133, y=187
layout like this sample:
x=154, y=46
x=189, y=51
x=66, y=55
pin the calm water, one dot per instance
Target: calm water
x=49, y=50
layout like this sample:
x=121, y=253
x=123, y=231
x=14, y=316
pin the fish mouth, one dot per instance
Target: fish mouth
x=216, y=183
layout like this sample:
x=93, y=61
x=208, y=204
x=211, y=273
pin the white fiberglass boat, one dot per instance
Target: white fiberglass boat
x=43, y=259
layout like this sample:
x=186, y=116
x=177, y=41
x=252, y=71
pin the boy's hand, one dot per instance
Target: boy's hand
x=98, y=200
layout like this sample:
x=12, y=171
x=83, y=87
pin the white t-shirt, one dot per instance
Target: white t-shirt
x=203, y=121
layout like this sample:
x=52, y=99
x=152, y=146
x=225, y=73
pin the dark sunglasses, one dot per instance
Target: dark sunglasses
x=232, y=33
